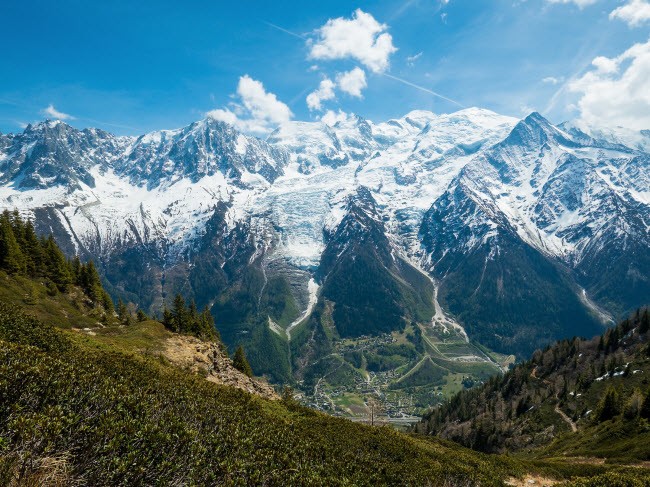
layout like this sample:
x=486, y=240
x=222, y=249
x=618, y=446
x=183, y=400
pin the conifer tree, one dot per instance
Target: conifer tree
x=241, y=363
x=107, y=302
x=11, y=257
x=75, y=271
x=644, y=326
x=179, y=314
x=645, y=407
x=57, y=266
x=90, y=281
x=609, y=405
x=123, y=313
x=193, y=312
x=208, y=329
x=33, y=250
x=168, y=319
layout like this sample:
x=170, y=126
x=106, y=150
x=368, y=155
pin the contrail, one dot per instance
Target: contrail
x=408, y=83
x=421, y=88
x=285, y=30
x=117, y=125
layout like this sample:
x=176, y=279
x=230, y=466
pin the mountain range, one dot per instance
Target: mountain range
x=509, y=233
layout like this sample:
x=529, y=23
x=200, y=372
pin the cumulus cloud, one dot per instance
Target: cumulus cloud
x=617, y=90
x=352, y=82
x=52, y=112
x=579, y=3
x=635, y=12
x=360, y=37
x=324, y=92
x=330, y=117
x=257, y=110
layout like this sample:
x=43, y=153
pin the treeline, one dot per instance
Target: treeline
x=589, y=380
x=188, y=320
x=23, y=253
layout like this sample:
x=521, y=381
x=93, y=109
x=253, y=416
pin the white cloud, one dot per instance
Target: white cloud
x=330, y=117
x=361, y=38
x=579, y=3
x=52, y=112
x=605, y=65
x=410, y=60
x=635, y=12
x=324, y=92
x=258, y=111
x=617, y=90
x=352, y=82
x=552, y=80
x=260, y=103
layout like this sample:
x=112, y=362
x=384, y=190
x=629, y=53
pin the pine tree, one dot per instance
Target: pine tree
x=241, y=363
x=11, y=257
x=76, y=271
x=141, y=316
x=609, y=406
x=168, y=319
x=107, y=302
x=179, y=314
x=123, y=313
x=205, y=326
x=57, y=267
x=193, y=312
x=645, y=407
x=33, y=250
x=90, y=281
x=645, y=322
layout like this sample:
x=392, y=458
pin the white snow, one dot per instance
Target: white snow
x=557, y=197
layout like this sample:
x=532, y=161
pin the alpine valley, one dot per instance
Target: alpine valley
x=409, y=258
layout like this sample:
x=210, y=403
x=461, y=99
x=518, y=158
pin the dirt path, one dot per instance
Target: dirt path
x=567, y=419
x=561, y=413
x=531, y=481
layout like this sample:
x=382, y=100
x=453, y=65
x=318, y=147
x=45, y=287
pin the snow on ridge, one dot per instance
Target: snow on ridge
x=406, y=163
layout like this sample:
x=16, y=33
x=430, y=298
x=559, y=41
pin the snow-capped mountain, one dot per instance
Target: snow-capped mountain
x=528, y=230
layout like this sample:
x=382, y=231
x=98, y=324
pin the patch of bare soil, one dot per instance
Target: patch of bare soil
x=208, y=359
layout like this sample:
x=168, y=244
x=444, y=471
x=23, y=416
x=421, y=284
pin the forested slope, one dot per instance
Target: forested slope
x=577, y=397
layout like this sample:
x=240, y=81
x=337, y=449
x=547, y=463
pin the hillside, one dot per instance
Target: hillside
x=77, y=413
x=36, y=277
x=92, y=396
x=576, y=398
x=76, y=409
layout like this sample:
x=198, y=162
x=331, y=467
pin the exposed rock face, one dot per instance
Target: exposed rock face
x=207, y=358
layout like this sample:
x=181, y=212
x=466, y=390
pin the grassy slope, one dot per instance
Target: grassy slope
x=114, y=418
x=99, y=409
x=62, y=310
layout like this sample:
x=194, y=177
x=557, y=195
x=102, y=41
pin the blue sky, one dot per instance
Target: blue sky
x=132, y=67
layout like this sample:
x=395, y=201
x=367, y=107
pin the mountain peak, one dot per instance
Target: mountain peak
x=536, y=118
